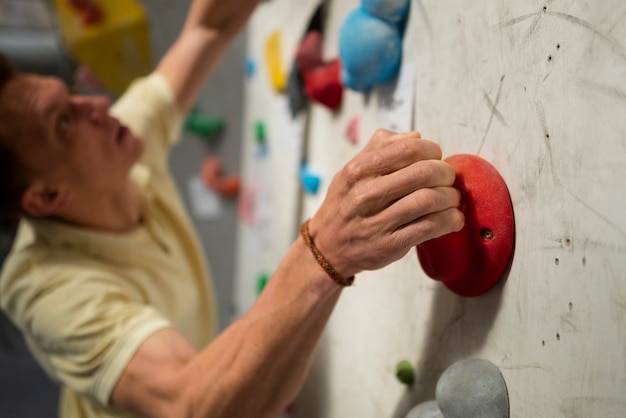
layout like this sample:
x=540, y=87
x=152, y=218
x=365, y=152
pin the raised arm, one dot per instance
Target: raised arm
x=392, y=196
x=208, y=30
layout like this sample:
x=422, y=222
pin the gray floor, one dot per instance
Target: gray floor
x=25, y=392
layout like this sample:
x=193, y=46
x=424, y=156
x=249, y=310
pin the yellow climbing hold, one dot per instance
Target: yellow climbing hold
x=273, y=61
x=110, y=37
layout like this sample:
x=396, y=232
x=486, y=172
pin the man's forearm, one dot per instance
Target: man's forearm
x=261, y=361
x=226, y=17
x=395, y=194
x=208, y=30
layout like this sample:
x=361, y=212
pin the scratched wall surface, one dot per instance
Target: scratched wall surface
x=538, y=88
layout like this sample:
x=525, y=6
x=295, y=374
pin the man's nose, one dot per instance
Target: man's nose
x=97, y=108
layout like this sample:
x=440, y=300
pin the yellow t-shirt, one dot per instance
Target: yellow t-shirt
x=85, y=300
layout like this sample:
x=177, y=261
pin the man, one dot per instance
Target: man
x=106, y=278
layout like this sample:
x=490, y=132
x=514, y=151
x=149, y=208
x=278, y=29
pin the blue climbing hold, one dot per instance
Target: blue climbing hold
x=393, y=11
x=370, y=50
x=310, y=181
x=250, y=67
x=352, y=84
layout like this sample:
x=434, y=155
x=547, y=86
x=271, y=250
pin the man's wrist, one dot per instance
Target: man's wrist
x=322, y=261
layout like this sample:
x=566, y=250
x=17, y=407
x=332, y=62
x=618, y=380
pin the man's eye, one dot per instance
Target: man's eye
x=64, y=123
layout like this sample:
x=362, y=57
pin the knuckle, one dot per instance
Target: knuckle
x=435, y=173
x=424, y=171
x=428, y=228
x=457, y=198
x=365, y=199
x=402, y=242
x=458, y=220
x=353, y=171
x=382, y=134
x=448, y=197
x=428, y=199
x=430, y=147
x=450, y=220
x=410, y=147
x=376, y=162
x=449, y=174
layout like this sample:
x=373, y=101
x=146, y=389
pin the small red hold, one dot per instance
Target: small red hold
x=471, y=261
x=214, y=178
x=91, y=16
x=90, y=12
x=323, y=84
x=245, y=205
x=309, y=53
x=352, y=131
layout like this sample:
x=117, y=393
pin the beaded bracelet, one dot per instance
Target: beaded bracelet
x=337, y=278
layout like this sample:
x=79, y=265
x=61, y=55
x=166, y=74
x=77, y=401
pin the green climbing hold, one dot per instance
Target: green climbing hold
x=260, y=132
x=405, y=372
x=261, y=282
x=203, y=125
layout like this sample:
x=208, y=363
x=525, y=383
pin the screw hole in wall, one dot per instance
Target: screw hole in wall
x=487, y=234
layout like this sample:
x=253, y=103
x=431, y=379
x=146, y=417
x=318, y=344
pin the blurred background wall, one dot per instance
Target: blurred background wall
x=29, y=35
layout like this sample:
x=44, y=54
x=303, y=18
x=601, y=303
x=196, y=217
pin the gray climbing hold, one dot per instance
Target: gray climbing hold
x=428, y=409
x=472, y=388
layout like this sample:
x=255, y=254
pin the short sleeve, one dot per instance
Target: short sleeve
x=150, y=111
x=83, y=327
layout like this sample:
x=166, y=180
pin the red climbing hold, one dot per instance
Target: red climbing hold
x=323, y=84
x=471, y=261
x=309, y=53
x=322, y=80
x=215, y=178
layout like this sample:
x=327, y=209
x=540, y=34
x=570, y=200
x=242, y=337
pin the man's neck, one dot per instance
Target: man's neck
x=117, y=212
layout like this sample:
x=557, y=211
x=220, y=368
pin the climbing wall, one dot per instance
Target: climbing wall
x=537, y=88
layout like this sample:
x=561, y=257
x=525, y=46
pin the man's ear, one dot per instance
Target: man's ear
x=41, y=200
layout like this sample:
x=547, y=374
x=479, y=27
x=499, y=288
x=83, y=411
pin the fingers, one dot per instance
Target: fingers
x=420, y=203
x=395, y=194
x=379, y=193
x=394, y=157
x=384, y=137
x=429, y=227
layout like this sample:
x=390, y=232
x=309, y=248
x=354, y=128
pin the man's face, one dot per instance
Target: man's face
x=68, y=139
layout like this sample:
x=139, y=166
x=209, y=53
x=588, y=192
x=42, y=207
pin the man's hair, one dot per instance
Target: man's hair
x=13, y=172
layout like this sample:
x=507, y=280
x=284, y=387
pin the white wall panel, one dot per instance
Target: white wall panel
x=541, y=94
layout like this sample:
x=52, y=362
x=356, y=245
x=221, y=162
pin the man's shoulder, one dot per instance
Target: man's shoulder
x=39, y=260
x=26, y=251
